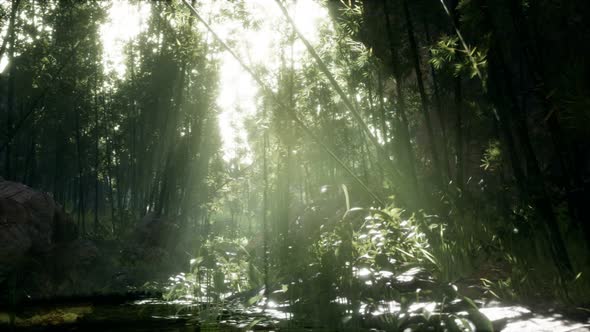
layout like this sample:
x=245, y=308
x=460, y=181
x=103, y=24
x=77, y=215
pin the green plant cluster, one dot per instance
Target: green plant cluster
x=222, y=268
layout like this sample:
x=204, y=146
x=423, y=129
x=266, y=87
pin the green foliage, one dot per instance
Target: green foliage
x=223, y=267
x=492, y=157
x=448, y=53
x=373, y=259
x=351, y=19
x=385, y=233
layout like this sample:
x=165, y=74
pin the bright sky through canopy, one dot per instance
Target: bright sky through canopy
x=258, y=43
x=260, y=47
x=125, y=21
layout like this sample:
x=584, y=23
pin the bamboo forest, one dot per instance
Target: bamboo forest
x=295, y=165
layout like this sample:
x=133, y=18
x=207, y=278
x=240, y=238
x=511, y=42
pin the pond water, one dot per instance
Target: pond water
x=151, y=315
x=184, y=316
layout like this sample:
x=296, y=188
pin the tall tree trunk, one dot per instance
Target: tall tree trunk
x=438, y=171
x=11, y=95
x=10, y=33
x=438, y=107
x=532, y=187
x=136, y=200
x=401, y=109
x=570, y=173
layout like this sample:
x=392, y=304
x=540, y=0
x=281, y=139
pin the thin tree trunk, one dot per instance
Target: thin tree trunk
x=383, y=117
x=363, y=158
x=29, y=170
x=459, y=168
x=265, y=215
x=96, y=154
x=109, y=167
x=57, y=163
x=377, y=125
x=109, y=172
x=81, y=210
x=161, y=202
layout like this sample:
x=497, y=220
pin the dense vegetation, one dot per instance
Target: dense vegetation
x=450, y=136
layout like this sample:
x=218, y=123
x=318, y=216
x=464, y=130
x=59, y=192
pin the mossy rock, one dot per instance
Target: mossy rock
x=52, y=317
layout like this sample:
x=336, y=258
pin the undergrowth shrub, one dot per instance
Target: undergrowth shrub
x=222, y=268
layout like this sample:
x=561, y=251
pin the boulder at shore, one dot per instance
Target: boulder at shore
x=31, y=223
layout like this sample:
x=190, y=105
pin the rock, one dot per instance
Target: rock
x=31, y=223
x=153, y=251
x=15, y=240
x=47, y=318
x=80, y=254
x=70, y=269
x=47, y=222
x=154, y=231
x=40, y=208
